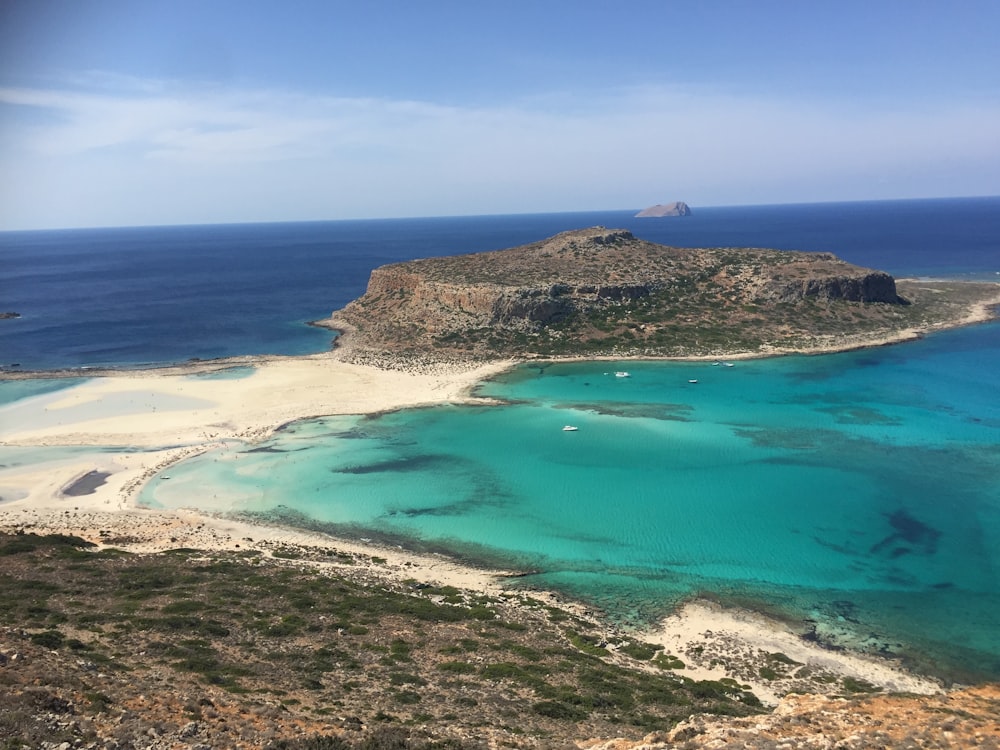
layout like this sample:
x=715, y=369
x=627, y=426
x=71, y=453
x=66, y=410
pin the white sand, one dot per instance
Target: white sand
x=714, y=643
x=151, y=408
x=183, y=414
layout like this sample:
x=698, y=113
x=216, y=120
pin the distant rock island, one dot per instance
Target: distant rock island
x=677, y=208
x=604, y=292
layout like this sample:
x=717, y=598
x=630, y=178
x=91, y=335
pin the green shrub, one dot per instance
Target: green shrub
x=783, y=659
x=50, y=639
x=406, y=697
x=589, y=644
x=639, y=650
x=456, y=667
x=183, y=607
x=561, y=711
x=853, y=685
x=668, y=661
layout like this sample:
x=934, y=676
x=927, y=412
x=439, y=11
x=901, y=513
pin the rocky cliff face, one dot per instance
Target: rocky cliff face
x=593, y=290
x=871, y=287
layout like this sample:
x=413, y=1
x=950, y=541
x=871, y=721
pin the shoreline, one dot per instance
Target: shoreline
x=192, y=415
x=711, y=641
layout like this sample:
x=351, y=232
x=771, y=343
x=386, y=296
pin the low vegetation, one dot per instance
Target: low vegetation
x=107, y=644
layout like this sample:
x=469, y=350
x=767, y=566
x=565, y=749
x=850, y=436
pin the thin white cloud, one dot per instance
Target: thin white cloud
x=342, y=157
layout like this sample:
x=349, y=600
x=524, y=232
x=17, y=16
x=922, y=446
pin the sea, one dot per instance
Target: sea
x=855, y=496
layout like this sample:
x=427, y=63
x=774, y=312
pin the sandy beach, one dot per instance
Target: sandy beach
x=171, y=414
x=168, y=415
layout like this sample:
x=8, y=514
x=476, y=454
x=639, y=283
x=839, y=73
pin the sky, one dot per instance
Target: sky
x=142, y=112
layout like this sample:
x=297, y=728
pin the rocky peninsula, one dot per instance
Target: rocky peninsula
x=601, y=292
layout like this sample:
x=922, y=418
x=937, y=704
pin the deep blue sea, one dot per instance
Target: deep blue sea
x=856, y=495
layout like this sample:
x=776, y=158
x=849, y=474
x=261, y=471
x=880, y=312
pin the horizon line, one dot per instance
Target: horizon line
x=261, y=222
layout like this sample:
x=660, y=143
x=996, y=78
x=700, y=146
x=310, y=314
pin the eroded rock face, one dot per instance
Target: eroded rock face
x=875, y=286
x=592, y=284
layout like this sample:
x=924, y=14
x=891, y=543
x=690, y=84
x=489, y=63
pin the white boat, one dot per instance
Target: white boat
x=622, y=374
x=693, y=380
x=570, y=428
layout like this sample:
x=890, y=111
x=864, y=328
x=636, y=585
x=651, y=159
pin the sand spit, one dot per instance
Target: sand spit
x=157, y=417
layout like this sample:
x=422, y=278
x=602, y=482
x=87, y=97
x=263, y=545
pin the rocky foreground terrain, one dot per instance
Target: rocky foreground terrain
x=307, y=648
x=604, y=292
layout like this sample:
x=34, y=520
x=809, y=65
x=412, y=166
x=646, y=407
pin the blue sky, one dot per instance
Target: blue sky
x=129, y=112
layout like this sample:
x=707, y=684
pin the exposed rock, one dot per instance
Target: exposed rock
x=963, y=718
x=872, y=287
x=593, y=290
x=677, y=208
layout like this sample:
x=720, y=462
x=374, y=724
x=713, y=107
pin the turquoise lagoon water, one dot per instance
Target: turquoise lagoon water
x=18, y=390
x=857, y=495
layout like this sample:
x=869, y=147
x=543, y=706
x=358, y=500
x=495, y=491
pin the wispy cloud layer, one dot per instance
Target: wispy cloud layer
x=136, y=148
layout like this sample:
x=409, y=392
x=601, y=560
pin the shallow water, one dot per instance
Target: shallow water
x=860, y=492
x=62, y=406
x=17, y=390
x=228, y=373
x=45, y=460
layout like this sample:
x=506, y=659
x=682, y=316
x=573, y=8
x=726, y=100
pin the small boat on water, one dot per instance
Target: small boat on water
x=570, y=428
x=622, y=374
x=693, y=380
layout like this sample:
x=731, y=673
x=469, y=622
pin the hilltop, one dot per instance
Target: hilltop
x=604, y=292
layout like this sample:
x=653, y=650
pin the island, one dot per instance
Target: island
x=601, y=292
x=677, y=208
